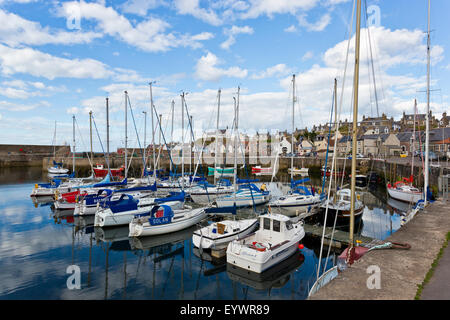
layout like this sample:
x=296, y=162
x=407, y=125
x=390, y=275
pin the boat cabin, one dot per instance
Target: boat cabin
x=274, y=227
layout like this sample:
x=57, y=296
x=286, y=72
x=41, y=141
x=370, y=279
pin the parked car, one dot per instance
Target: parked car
x=431, y=155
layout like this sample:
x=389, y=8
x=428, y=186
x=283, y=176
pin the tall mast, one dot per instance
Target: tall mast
x=355, y=128
x=190, y=144
x=90, y=136
x=126, y=135
x=292, y=134
x=153, y=131
x=413, y=139
x=171, y=133
x=336, y=128
x=107, y=131
x=73, y=152
x=54, y=143
x=159, y=140
x=217, y=134
x=144, y=151
x=235, y=154
x=182, y=140
x=427, y=136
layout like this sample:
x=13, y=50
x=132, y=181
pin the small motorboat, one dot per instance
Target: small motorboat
x=276, y=239
x=163, y=219
x=218, y=234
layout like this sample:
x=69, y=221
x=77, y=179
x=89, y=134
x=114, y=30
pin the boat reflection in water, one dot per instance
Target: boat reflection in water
x=114, y=234
x=275, y=277
x=161, y=243
x=43, y=201
x=398, y=206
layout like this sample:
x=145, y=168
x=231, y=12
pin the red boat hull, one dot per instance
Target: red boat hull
x=101, y=173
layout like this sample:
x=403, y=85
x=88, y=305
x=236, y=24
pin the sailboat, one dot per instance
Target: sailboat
x=404, y=189
x=248, y=194
x=300, y=200
x=100, y=171
x=57, y=166
x=204, y=192
x=351, y=253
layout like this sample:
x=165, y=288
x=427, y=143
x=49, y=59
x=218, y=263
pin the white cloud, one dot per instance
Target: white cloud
x=149, y=35
x=271, y=7
x=206, y=69
x=192, y=7
x=232, y=32
x=308, y=55
x=73, y=110
x=319, y=25
x=39, y=64
x=291, y=28
x=19, y=89
x=14, y=30
x=141, y=7
x=277, y=70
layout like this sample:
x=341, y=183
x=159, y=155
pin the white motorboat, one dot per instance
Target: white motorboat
x=405, y=192
x=163, y=219
x=276, y=240
x=246, y=196
x=123, y=210
x=218, y=234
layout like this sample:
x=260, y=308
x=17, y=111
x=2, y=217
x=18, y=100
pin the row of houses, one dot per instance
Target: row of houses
x=390, y=144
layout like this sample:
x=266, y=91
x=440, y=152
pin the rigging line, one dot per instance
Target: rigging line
x=98, y=135
x=137, y=135
x=82, y=141
x=371, y=58
x=329, y=188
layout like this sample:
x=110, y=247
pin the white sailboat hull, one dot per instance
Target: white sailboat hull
x=405, y=196
x=293, y=205
x=138, y=229
x=107, y=218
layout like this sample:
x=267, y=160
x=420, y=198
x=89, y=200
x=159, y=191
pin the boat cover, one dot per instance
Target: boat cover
x=124, y=203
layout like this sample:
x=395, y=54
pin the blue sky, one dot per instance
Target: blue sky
x=53, y=65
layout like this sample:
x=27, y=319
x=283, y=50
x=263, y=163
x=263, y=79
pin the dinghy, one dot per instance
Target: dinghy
x=276, y=240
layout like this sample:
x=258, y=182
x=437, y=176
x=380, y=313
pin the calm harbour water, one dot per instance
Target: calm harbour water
x=37, y=245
